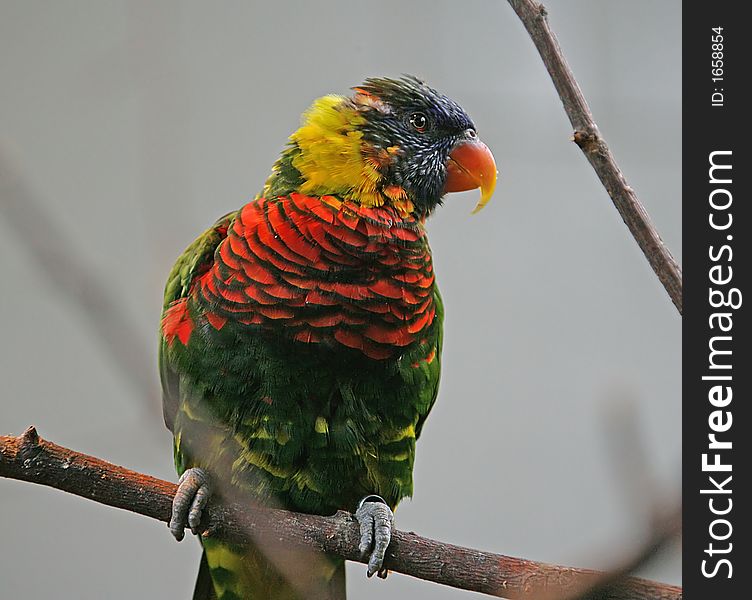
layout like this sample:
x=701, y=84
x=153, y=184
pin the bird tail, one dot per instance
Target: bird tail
x=229, y=572
x=204, y=589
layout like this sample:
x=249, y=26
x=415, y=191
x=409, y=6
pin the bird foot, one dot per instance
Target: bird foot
x=376, y=520
x=194, y=491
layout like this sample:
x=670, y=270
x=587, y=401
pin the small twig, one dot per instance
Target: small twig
x=588, y=138
x=29, y=458
x=45, y=242
x=667, y=529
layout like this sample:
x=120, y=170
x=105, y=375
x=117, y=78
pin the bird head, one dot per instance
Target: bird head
x=393, y=142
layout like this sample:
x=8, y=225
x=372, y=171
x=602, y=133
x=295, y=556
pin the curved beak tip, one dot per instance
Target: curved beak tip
x=471, y=165
x=487, y=187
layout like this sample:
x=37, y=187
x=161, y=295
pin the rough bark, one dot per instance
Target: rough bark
x=30, y=458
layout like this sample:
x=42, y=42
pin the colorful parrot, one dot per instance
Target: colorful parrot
x=300, y=340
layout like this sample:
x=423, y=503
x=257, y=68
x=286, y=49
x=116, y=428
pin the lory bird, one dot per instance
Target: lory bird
x=301, y=335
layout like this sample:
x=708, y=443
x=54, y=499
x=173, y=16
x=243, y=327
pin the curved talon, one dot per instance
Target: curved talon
x=194, y=491
x=376, y=520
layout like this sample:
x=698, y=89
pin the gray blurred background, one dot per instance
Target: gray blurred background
x=131, y=126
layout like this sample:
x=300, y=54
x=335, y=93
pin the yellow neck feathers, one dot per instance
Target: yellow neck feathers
x=334, y=158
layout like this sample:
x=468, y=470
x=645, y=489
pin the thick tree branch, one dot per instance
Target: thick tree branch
x=588, y=138
x=29, y=458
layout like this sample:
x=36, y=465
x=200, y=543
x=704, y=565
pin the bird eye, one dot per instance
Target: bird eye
x=419, y=121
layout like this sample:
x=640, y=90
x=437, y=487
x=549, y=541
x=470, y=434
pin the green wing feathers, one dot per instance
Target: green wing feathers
x=194, y=260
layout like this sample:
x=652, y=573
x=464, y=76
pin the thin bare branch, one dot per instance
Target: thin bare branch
x=586, y=135
x=84, y=290
x=29, y=458
x=668, y=527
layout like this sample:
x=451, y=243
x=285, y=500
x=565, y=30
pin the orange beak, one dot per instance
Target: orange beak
x=471, y=165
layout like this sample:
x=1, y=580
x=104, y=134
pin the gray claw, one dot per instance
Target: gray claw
x=194, y=491
x=376, y=520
